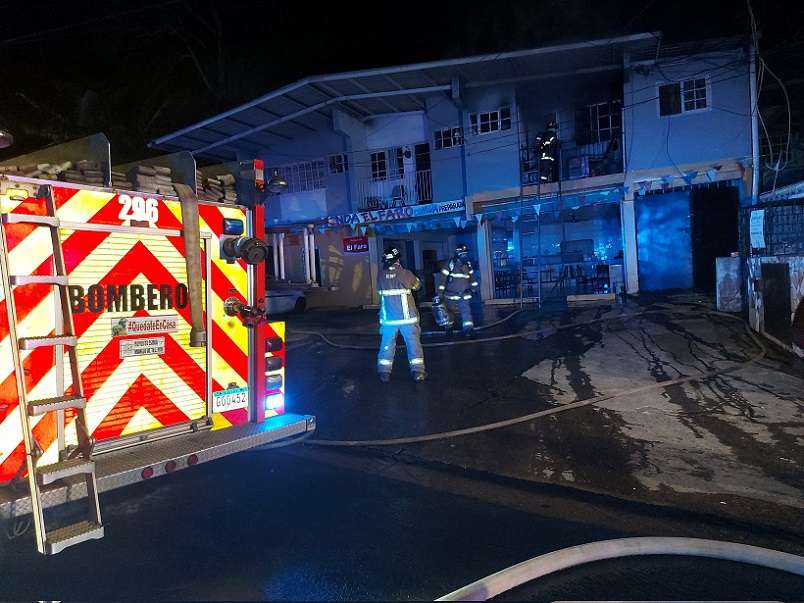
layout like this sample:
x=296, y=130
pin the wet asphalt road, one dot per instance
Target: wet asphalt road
x=302, y=526
x=308, y=523
x=730, y=444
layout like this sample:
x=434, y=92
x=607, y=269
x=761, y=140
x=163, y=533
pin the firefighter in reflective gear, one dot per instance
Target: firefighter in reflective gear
x=398, y=314
x=546, y=147
x=458, y=285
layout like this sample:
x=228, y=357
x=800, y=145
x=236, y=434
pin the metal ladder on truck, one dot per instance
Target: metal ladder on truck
x=80, y=463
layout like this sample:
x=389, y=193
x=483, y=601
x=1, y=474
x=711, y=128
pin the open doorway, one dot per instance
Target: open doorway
x=714, y=231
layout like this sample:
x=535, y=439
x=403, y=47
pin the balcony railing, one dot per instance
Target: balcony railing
x=582, y=161
x=411, y=189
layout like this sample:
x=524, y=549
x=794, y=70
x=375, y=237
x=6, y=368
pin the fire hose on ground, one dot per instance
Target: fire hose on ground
x=543, y=565
x=541, y=333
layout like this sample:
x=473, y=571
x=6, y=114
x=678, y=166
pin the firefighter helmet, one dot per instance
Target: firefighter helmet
x=462, y=249
x=391, y=256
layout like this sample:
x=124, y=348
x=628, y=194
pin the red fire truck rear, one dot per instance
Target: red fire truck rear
x=132, y=338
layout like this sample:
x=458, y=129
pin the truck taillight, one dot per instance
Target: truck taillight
x=147, y=472
x=273, y=382
x=273, y=344
x=275, y=402
x=273, y=363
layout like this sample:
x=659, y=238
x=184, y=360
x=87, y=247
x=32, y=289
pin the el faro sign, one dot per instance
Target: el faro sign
x=355, y=245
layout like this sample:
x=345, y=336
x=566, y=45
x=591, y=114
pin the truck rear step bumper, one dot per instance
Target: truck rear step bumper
x=126, y=466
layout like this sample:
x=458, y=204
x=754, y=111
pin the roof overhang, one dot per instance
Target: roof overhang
x=307, y=105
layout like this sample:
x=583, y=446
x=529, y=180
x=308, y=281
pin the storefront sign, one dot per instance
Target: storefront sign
x=144, y=325
x=230, y=399
x=355, y=244
x=397, y=213
x=757, y=229
x=151, y=346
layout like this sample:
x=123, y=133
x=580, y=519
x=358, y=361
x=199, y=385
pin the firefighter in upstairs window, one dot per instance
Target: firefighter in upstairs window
x=398, y=314
x=546, y=147
x=458, y=285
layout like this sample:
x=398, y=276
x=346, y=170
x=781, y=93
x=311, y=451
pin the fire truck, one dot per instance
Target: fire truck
x=133, y=337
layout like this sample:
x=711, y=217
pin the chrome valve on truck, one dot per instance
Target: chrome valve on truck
x=250, y=315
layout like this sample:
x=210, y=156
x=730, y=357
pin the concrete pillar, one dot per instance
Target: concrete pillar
x=628, y=222
x=310, y=233
x=374, y=244
x=417, y=255
x=306, y=256
x=486, y=262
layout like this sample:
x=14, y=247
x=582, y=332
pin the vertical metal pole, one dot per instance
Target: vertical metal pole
x=539, y=243
x=282, y=256
x=752, y=80
x=275, y=246
x=257, y=357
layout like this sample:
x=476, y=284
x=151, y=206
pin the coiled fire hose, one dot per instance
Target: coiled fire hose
x=543, y=565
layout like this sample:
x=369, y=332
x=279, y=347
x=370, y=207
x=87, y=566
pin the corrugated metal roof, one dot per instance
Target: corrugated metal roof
x=306, y=106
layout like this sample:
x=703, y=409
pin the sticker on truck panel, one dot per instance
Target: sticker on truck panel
x=144, y=325
x=149, y=346
x=230, y=399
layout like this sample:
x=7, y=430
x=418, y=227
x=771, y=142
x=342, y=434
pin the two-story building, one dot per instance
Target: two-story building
x=654, y=156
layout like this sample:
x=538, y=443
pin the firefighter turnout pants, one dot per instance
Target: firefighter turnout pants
x=411, y=333
x=464, y=308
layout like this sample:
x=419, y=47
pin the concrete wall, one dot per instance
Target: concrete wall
x=492, y=159
x=448, y=177
x=345, y=277
x=309, y=205
x=386, y=131
x=722, y=131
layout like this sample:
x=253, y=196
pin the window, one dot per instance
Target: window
x=338, y=164
x=683, y=97
x=490, y=121
x=379, y=168
x=381, y=160
x=605, y=121
x=399, y=164
x=694, y=94
x=448, y=137
x=304, y=176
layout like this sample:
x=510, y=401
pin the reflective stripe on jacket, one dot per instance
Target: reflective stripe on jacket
x=395, y=286
x=456, y=277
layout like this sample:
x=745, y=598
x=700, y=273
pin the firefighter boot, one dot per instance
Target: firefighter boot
x=419, y=376
x=385, y=377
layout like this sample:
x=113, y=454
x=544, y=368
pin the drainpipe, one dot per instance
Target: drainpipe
x=192, y=256
x=755, y=172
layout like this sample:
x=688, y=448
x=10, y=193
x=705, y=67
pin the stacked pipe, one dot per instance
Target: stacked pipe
x=155, y=179
x=81, y=172
x=120, y=180
x=217, y=188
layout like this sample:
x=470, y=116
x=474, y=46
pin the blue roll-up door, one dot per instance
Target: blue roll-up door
x=664, y=244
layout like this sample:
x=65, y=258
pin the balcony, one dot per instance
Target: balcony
x=579, y=161
x=413, y=188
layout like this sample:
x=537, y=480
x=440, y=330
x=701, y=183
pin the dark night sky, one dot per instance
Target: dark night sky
x=137, y=70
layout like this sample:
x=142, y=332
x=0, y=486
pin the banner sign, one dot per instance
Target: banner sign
x=144, y=325
x=149, y=346
x=355, y=244
x=397, y=213
x=757, y=229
